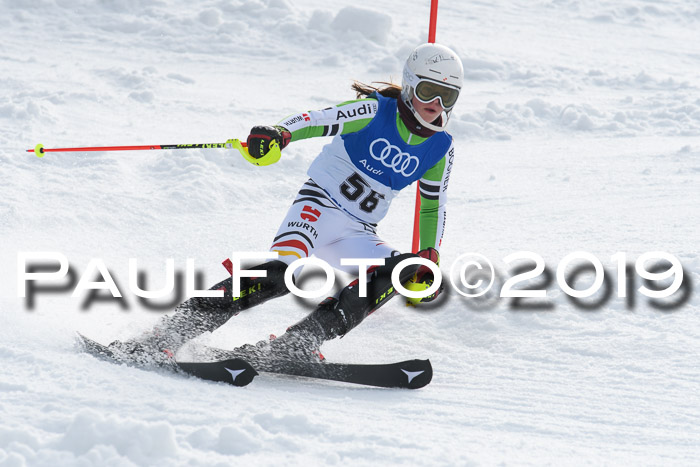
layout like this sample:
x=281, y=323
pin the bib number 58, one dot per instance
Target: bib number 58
x=354, y=187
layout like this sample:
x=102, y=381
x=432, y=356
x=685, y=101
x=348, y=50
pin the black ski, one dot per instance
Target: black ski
x=410, y=374
x=239, y=370
x=234, y=371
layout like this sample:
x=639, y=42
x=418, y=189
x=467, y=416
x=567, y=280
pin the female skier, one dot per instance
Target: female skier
x=383, y=142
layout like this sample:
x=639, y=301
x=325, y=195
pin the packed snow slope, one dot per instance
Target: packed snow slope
x=578, y=129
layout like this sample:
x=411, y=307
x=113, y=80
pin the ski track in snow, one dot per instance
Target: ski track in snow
x=578, y=129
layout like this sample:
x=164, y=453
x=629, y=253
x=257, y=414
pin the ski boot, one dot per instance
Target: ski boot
x=142, y=354
x=277, y=349
x=155, y=348
x=301, y=341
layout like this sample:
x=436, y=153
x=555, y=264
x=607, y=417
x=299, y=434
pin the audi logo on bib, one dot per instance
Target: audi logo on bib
x=393, y=158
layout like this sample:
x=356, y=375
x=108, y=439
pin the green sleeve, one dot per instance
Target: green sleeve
x=433, y=196
x=346, y=117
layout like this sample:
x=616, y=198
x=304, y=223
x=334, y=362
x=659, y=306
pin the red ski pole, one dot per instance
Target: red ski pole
x=272, y=156
x=40, y=150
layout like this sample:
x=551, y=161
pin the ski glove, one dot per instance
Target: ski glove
x=424, y=278
x=262, y=136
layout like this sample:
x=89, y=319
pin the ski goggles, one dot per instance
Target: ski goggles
x=427, y=91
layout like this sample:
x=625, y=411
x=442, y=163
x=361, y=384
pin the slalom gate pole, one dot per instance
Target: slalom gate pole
x=433, y=21
x=40, y=150
x=415, y=246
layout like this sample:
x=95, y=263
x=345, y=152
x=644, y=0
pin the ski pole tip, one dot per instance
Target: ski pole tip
x=39, y=150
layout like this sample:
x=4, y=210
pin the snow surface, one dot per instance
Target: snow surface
x=578, y=129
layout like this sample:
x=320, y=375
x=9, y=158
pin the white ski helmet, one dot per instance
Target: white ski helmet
x=432, y=71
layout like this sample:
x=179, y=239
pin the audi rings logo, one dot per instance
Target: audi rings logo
x=392, y=157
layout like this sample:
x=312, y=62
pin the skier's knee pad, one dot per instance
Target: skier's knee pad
x=353, y=308
x=253, y=290
x=337, y=316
